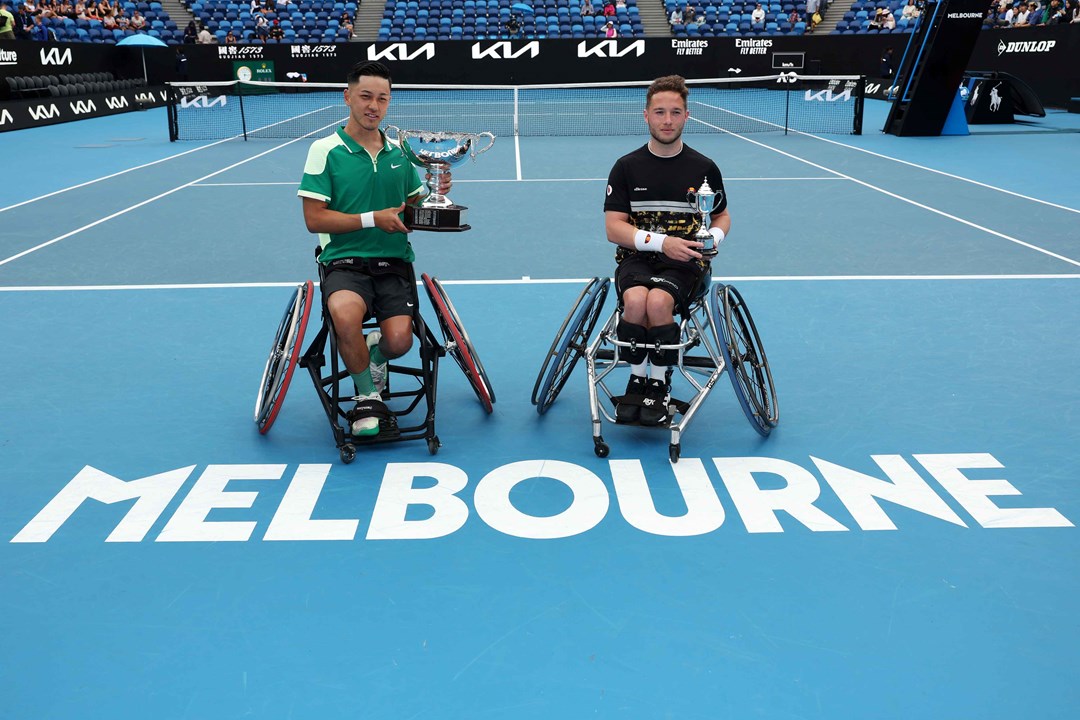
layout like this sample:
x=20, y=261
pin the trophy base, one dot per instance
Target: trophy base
x=436, y=219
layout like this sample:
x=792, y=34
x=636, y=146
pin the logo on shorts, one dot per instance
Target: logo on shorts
x=608, y=189
x=382, y=263
x=662, y=281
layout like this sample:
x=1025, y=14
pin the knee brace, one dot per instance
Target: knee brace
x=663, y=335
x=631, y=333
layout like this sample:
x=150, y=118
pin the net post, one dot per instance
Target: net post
x=860, y=96
x=243, y=119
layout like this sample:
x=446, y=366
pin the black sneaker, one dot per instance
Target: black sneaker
x=625, y=412
x=654, y=411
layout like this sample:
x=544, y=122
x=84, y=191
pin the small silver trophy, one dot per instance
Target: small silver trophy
x=437, y=152
x=704, y=200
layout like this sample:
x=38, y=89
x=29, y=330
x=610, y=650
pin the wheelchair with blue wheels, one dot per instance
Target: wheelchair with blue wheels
x=717, y=334
x=410, y=410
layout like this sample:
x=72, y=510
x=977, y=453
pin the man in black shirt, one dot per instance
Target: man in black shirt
x=660, y=265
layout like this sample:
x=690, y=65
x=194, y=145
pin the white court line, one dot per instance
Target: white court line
x=542, y=281
x=939, y=172
x=150, y=200
x=115, y=174
x=898, y=197
x=557, y=180
x=517, y=155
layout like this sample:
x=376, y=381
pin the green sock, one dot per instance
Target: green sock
x=376, y=355
x=363, y=382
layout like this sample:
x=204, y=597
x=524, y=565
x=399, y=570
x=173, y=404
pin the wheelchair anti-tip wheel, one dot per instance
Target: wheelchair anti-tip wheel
x=744, y=355
x=458, y=344
x=570, y=344
x=284, y=354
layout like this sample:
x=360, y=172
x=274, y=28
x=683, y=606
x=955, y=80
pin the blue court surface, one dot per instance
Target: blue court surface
x=903, y=545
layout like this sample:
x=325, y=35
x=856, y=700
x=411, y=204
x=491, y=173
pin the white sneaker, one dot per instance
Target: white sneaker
x=378, y=370
x=368, y=425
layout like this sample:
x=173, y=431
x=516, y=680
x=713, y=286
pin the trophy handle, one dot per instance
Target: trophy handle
x=397, y=134
x=481, y=151
x=691, y=197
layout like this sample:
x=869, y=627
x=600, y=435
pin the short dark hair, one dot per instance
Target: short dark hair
x=668, y=83
x=368, y=67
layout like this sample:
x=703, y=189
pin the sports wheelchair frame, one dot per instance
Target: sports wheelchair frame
x=399, y=425
x=717, y=333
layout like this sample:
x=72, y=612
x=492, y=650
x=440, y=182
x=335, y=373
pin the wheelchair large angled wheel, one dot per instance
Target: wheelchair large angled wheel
x=747, y=366
x=284, y=354
x=458, y=344
x=570, y=344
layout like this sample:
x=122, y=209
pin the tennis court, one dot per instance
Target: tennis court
x=902, y=545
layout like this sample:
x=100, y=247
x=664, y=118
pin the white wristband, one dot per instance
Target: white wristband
x=645, y=241
x=718, y=234
x=367, y=220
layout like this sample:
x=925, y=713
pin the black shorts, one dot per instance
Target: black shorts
x=383, y=283
x=654, y=270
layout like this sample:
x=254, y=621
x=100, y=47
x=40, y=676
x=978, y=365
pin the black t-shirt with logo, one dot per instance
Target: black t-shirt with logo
x=652, y=191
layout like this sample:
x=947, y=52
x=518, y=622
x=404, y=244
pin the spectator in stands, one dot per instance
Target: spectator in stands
x=345, y=21
x=1074, y=12
x=889, y=22
x=262, y=26
x=620, y=4
x=587, y=8
x=123, y=22
x=1055, y=13
x=877, y=21
x=513, y=26
x=276, y=33
x=191, y=33
x=138, y=22
x=7, y=23
x=24, y=24
x=40, y=31
x=811, y=10
x=31, y=7
x=609, y=8
x=1020, y=18
x=610, y=31
x=794, y=16
x=230, y=39
x=676, y=17
x=204, y=36
x=109, y=21
x=911, y=10
x=757, y=17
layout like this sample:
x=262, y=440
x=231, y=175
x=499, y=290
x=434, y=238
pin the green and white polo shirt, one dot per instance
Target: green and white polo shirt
x=343, y=173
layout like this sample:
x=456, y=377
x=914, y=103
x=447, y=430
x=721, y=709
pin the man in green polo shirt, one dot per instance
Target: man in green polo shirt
x=354, y=190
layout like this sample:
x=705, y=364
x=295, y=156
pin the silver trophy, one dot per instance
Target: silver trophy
x=437, y=152
x=704, y=200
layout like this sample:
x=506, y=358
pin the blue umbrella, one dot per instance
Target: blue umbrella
x=522, y=7
x=143, y=40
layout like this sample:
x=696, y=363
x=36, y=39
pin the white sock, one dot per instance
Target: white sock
x=658, y=372
x=639, y=369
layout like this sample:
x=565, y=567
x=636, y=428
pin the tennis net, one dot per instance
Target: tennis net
x=775, y=103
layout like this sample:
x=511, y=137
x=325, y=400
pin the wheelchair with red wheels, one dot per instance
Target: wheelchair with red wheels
x=411, y=409
x=717, y=334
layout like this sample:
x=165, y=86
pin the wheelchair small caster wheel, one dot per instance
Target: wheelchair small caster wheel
x=433, y=445
x=348, y=454
x=673, y=452
x=601, y=448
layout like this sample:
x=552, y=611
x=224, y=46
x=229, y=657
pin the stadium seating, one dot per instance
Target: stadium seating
x=495, y=20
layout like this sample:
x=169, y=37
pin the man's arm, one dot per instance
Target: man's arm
x=319, y=218
x=623, y=234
